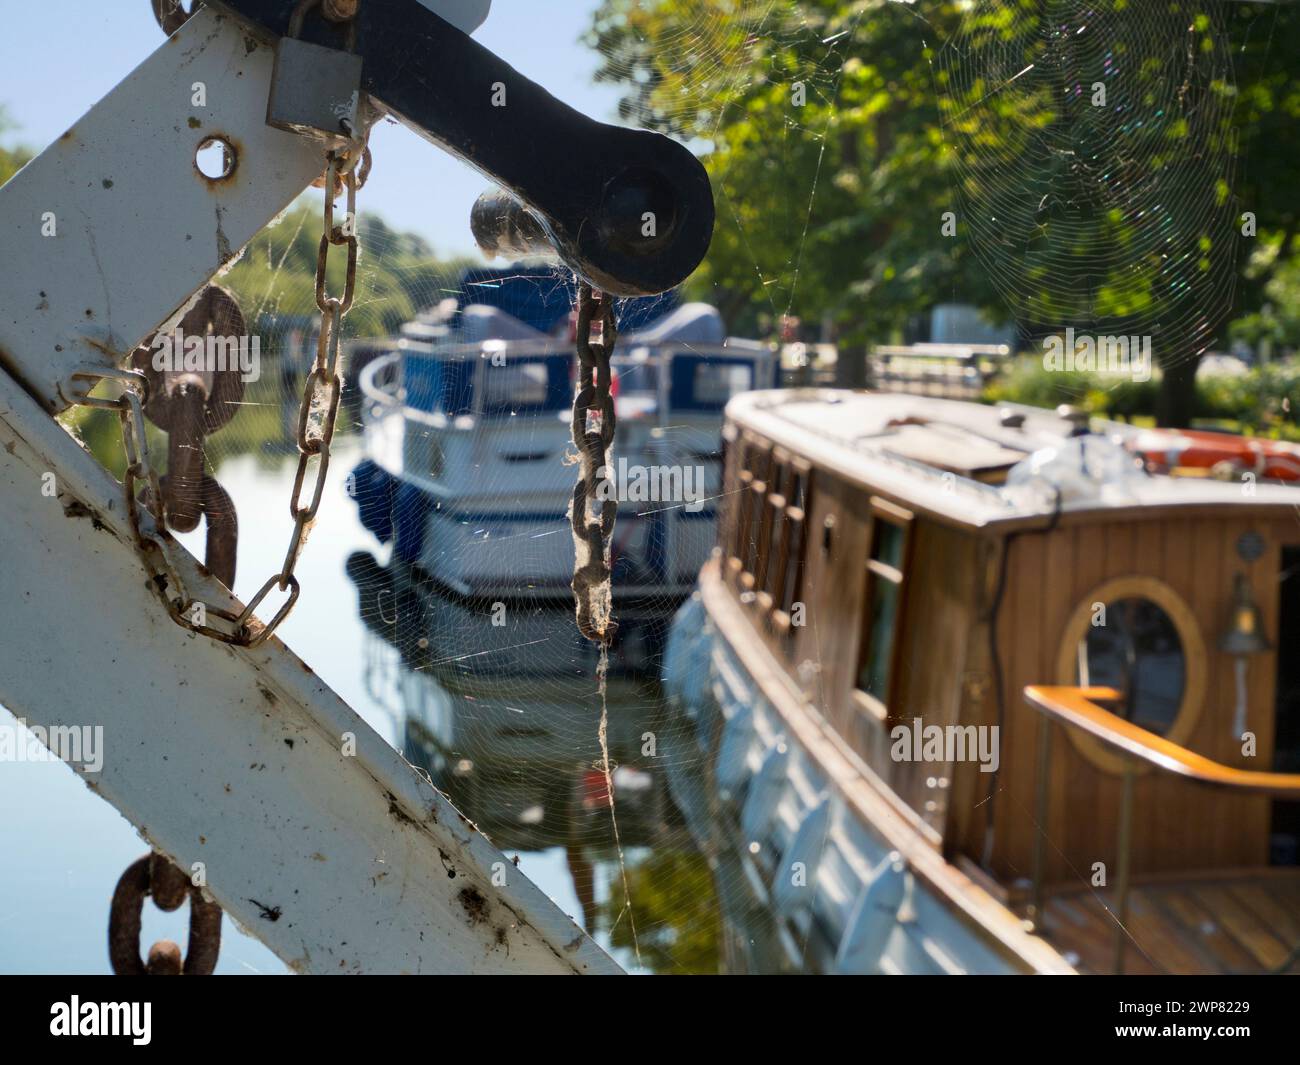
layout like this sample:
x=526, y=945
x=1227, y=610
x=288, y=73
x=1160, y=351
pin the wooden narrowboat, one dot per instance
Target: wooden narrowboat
x=978, y=690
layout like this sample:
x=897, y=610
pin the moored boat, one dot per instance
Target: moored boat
x=979, y=692
x=469, y=475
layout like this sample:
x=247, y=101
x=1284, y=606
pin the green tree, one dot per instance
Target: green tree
x=11, y=159
x=830, y=206
x=398, y=274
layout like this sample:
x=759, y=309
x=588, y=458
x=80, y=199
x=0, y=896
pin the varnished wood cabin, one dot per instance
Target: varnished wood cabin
x=873, y=569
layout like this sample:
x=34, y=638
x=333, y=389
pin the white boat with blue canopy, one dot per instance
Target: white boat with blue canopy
x=470, y=464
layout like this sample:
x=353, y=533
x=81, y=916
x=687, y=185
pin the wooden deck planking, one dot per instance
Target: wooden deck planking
x=1245, y=923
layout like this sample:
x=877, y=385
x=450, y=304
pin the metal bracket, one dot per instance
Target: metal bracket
x=628, y=210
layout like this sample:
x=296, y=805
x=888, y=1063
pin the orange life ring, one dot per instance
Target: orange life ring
x=1165, y=450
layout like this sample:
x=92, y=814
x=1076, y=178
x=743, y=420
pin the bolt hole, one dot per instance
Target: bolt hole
x=215, y=158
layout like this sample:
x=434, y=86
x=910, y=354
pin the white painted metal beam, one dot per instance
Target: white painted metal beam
x=234, y=758
x=112, y=229
x=338, y=861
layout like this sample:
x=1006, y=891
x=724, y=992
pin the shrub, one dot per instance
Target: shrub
x=1263, y=400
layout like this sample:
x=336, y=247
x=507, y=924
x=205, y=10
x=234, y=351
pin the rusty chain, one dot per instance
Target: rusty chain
x=316, y=420
x=593, y=433
x=171, y=15
x=362, y=171
x=324, y=386
x=155, y=876
x=150, y=535
x=188, y=405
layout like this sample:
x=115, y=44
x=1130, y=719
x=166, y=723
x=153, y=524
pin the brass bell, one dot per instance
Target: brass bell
x=1244, y=634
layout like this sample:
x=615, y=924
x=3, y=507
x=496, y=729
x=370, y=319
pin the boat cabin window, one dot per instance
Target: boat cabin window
x=752, y=490
x=525, y=385
x=637, y=376
x=1133, y=646
x=516, y=384
x=437, y=384
x=886, y=565
x=455, y=384
x=786, y=571
x=740, y=504
x=767, y=543
x=1135, y=634
x=781, y=539
x=706, y=383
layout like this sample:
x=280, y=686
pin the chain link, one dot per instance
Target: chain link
x=170, y=15
x=146, y=526
x=188, y=405
x=593, y=433
x=316, y=420
x=155, y=876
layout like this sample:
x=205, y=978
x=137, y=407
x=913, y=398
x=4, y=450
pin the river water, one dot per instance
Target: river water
x=64, y=848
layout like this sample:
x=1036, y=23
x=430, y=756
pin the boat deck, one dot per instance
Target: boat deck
x=943, y=457
x=1247, y=922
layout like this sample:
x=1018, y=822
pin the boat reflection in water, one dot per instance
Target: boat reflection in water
x=466, y=484
x=519, y=754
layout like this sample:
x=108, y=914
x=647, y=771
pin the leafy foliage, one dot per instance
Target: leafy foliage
x=11, y=159
x=678, y=924
x=832, y=210
x=1264, y=400
x=397, y=274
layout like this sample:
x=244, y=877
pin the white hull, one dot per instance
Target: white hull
x=494, y=486
x=821, y=887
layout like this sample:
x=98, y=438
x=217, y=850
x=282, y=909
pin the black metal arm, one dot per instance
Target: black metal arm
x=588, y=185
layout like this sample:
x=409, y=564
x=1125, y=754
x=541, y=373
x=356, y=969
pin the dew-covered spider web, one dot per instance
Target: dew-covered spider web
x=1086, y=154
x=1093, y=165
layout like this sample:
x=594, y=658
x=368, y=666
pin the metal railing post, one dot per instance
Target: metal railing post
x=1040, y=838
x=1122, y=875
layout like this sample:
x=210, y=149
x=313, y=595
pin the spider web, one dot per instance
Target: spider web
x=1093, y=158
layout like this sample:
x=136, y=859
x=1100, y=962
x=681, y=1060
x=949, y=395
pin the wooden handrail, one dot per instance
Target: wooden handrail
x=1078, y=707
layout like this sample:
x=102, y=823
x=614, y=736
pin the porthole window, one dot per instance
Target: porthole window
x=1133, y=646
x=1137, y=636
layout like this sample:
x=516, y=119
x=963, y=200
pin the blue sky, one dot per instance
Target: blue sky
x=58, y=57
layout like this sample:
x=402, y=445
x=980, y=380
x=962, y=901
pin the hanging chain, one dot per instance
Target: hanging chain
x=171, y=15
x=155, y=876
x=593, y=433
x=316, y=420
x=324, y=386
